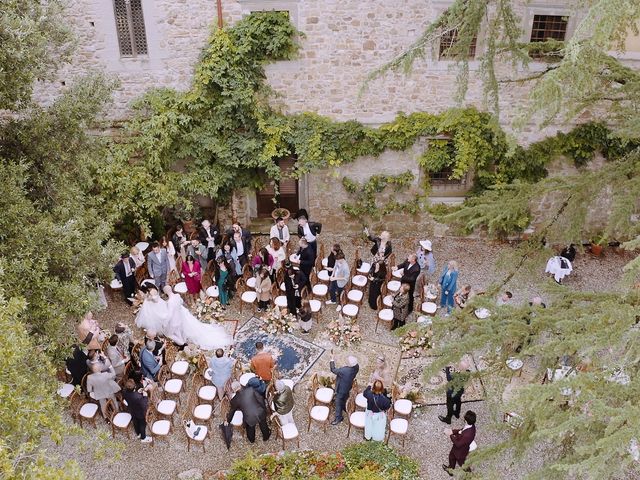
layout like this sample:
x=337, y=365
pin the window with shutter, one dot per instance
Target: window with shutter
x=132, y=36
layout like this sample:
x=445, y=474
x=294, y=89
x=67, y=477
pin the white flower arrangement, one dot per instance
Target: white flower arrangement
x=208, y=311
x=416, y=342
x=273, y=322
x=344, y=333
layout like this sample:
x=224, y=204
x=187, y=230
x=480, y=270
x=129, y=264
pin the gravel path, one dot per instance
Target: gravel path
x=481, y=263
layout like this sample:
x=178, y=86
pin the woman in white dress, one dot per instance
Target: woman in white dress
x=276, y=250
x=171, y=252
x=182, y=327
x=153, y=313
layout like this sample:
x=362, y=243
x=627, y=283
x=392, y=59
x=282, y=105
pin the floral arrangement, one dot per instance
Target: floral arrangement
x=209, y=310
x=191, y=354
x=275, y=322
x=344, y=333
x=415, y=342
x=138, y=300
x=413, y=393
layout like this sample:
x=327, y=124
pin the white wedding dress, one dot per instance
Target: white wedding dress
x=153, y=314
x=182, y=327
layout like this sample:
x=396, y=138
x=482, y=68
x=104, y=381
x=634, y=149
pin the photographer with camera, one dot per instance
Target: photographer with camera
x=455, y=389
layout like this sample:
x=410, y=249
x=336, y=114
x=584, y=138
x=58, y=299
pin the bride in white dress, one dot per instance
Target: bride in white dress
x=153, y=314
x=182, y=327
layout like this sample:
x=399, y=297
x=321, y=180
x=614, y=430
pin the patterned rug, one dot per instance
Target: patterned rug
x=294, y=356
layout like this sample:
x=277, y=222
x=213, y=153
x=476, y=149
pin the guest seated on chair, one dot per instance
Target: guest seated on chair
x=283, y=402
x=150, y=363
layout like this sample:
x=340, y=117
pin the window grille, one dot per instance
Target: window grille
x=132, y=36
x=547, y=27
x=442, y=177
x=449, y=39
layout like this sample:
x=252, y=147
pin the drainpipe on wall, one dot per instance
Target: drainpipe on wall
x=219, y=5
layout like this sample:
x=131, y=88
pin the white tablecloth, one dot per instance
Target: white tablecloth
x=554, y=267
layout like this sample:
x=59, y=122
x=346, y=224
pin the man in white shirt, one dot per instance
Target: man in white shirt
x=209, y=237
x=310, y=231
x=239, y=245
x=338, y=279
x=280, y=231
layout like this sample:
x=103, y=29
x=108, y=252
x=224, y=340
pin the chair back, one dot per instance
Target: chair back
x=379, y=302
x=351, y=404
x=237, y=369
x=163, y=374
x=343, y=298
x=198, y=381
x=135, y=353
x=313, y=278
x=105, y=345
x=321, y=251
x=224, y=408
x=173, y=278
x=280, y=276
x=110, y=409
x=203, y=364
x=207, y=279
x=315, y=383
x=142, y=273
x=179, y=262
x=83, y=384
x=241, y=285
x=391, y=262
x=171, y=351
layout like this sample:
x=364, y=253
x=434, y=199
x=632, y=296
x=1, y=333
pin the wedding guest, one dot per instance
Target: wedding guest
x=461, y=440
x=137, y=255
x=125, y=273
x=149, y=362
x=96, y=357
x=251, y=404
x=89, y=332
x=338, y=279
x=304, y=316
x=192, y=272
x=331, y=259
x=280, y=231
x=179, y=240
x=241, y=240
x=427, y=263
x=262, y=259
x=309, y=231
x=377, y=277
x=448, y=285
x=117, y=357
x=294, y=282
x=263, y=289
x=381, y=372
x=171, y=252
x=262, y=363
x=125, y=338
x=455, y=389
x=277, y=251
x=375, y=416
x=137, y=404
x=307, y=259
x=103, y=387
x=198, y=252
x=228, y=251
x=283, y=402
x=400, y=306
x=410, y=273
x=77, y=365
x=505, y=298
x=381, y=248
x=159, y=345
x=462, y=296
x=209, y=237
x=158, y=265
x=344, y=381
x=224, y=280
x=221, y=369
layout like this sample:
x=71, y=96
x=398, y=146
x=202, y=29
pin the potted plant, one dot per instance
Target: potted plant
x=186, y=215
x=597, y=244
x=281, y=212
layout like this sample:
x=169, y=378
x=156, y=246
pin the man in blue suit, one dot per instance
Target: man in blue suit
x=344, y=381
x=150, y=364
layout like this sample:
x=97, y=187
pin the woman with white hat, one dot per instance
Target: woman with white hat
x=427, y=264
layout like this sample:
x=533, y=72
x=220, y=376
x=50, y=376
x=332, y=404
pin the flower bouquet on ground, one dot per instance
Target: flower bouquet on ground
x=275, y=322
x=208, y=311
x=415, y=342
x=191, y=354
x=344, y=333
x=413, y=393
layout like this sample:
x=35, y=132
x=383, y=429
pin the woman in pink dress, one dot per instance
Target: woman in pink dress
x=192, y=275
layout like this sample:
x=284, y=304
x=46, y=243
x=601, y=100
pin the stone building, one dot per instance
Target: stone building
x=156, y=43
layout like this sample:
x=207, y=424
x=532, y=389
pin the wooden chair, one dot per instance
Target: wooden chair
x=164, y=408
x=364, y=267
x=247, y=271
x=384, y=314
x=401, y=406
x=286, y=432
x=349, y=310
x=172, y=387
x=197, y=412
x=315, y=305
x=317, y=413
x=319, y=290
x=119, y=420
x=204, y=392
x=356, y=418
x=178, y=368
x=354, y=295
x=83, y=410
x=398, y=426
x=358, y=280
x=170, y=352
x=237, y=421
x=159, y=428
x=135, y=354
x=246, y=296
x=322, y=395
x=387, y=299
x=321, y=250
x=179, y=263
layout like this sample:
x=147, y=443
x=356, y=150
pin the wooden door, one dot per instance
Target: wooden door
x=288, y=191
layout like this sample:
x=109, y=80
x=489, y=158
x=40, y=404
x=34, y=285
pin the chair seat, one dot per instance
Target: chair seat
x=325, y=262
x=179, y=367
x=387, y=301
x=323, y=275
x=403, y=406
x=320, y=290
x=399, y=426
x=180, y=287
x=202, y=433
x=282, y=287
x=203, y=412
x=359, y=280
x=281, y=301
x=473, y=446
x=213, y=291
x=208, y=392
x=161, y=427
x=115, y=284
x=237, y=419
x=350, y=310
x=207, y=374
x=315, y=305
x=289, y=431
x=424, y=320
x=249, y=297
x=245, y=377
x=394, y=286
x=122, y=419
x=364, y=268
x=251, y=282
x=429, y=308
x=355, y=295
x=88, y=410
x=398, y=273
x=288, y=382
x=166, y=407
x=173, y=386
x=65, y=390
x=357, y=419
x=324, y=394
x=320, y=413
x=361, y=401
x=386, y=314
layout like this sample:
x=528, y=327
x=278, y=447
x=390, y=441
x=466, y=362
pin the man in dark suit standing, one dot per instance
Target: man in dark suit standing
x=137, y=403
x=410, y=275
x=455, y=390
x=209, y=236
x=125, y=271
x=344, y=381
x=251, y=404
x=245, y=236
x=307, y=260
x=462, y=440
x=309, y=231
